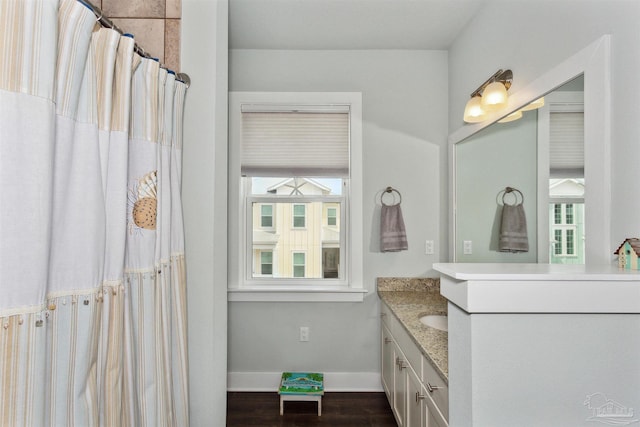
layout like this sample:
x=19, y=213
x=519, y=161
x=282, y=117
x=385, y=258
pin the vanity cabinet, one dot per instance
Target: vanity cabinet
x=417, y=395
x=542, y=344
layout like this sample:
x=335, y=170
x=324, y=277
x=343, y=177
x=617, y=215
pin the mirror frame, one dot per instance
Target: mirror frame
x=594, y=62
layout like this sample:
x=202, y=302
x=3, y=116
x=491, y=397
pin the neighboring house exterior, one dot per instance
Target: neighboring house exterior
x=628, y=253
x=296, y=239
x=566, y=221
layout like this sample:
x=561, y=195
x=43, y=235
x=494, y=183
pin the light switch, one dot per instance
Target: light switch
x=467, y=247
x=428, y=247
x=304, y=333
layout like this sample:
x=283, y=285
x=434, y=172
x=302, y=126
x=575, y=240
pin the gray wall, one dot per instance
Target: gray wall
x=531, y=37
x=204, y=56
x=404, y=97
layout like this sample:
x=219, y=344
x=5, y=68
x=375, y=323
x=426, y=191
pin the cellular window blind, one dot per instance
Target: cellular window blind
x=566, y=152
x=312, y=142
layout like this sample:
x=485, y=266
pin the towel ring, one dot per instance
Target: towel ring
x=512, y=190
x=390, y=190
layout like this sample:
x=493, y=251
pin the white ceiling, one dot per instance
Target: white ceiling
x=348, y=24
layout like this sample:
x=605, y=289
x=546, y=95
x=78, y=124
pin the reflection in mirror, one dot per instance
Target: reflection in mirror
x=561, y=176
x=541, y=155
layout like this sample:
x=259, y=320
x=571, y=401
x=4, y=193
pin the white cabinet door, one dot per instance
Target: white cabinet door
x=437, y=389
x=415, y=404
x=393, y=376
x=432, y=415
x=388, y=362
x=400, y=386
x=433, y=421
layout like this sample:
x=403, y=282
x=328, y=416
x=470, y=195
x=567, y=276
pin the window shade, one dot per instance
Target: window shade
x=295, y=143
x=566, y=152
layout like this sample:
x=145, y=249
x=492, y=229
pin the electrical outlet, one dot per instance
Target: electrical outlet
x=467, y=247
x=304, y=333
x=428, y=247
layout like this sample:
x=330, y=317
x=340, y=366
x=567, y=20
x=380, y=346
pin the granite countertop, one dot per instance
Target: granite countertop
x=409, y=299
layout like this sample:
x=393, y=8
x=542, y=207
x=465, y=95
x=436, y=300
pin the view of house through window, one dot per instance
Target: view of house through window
x=566, y=219
x=296, y=227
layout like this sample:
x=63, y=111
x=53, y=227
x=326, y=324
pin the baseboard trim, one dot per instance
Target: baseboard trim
x=333, y=381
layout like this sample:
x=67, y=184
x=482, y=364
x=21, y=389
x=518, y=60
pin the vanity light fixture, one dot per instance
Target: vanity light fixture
x=518, y=114
x=534, y=105
x=473, y=112
x=491, y=95
x=511, y=117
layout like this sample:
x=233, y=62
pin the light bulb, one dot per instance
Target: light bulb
x=473, y=111
x=494, y=97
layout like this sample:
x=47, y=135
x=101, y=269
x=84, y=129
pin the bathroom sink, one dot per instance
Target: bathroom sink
x=435, y=321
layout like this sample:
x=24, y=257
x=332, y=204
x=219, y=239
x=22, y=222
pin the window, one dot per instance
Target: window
x=564, y=243
x=266, y=216
x=295, y=184
x=332, y=216
x=558, y=242
x=570, y=242
x=299, y=264
x=299, y=215
x=568, y=213
x=566, y=225
x=266, y=262
x=557, y=209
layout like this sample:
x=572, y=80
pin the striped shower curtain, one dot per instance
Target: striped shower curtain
x=92, y=273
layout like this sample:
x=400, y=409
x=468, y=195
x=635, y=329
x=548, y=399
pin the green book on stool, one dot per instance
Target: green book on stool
x=301, y=386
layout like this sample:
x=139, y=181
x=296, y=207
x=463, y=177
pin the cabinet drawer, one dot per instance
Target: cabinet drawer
x=440, y=395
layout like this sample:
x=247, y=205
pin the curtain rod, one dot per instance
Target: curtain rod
x=107, y=23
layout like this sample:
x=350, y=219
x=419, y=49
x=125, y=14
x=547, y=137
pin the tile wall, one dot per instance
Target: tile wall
x=155, y=25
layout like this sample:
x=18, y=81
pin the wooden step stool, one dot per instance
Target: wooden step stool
x=301, y=386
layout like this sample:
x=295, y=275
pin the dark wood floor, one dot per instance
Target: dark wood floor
x=338, y=410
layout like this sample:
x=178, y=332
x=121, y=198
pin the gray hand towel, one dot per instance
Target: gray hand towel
x=393, y=236
x=513, y=229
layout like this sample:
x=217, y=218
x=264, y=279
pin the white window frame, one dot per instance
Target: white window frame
x=240, y=286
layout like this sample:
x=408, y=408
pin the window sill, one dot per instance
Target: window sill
x=296, y=294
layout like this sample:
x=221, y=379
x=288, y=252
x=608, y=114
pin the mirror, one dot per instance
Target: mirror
x=516, y=154
x=487, y=157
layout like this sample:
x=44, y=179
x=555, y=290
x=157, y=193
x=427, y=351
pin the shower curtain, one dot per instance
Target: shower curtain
x=92, y=272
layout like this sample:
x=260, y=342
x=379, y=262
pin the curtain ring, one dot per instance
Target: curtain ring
x=390, y=190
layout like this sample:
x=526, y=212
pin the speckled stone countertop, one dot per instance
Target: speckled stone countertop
x=410, y=299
